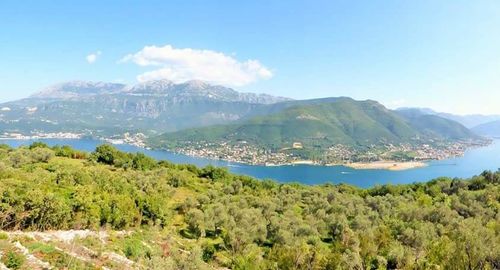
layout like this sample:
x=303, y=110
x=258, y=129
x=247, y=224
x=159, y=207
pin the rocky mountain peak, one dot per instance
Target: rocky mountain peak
x=154, y=89
x=75, y=89
x=196, y=84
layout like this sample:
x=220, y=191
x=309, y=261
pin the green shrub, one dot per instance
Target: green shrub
x=134, y=249
x=13, y=260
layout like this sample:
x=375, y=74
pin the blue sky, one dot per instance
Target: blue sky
x=439, y=54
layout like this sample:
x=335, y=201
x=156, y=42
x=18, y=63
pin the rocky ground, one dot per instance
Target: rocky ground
x=61, y=250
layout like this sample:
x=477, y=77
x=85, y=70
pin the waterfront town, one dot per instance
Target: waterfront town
x=137, y=139
x=40, y=136
x=243, y=152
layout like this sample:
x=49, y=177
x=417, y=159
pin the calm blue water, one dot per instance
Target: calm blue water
x=473, y=163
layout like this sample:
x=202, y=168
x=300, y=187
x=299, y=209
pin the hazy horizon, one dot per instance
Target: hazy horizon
x=440, y=55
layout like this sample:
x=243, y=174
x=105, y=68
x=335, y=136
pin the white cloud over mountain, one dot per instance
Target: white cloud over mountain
x=184, y=64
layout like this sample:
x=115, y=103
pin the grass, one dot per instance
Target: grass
x=13, y=259
x=57, y=258
x=10, y=257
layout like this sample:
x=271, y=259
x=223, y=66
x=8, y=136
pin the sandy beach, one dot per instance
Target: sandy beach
x=387, y=165
x=303, y=162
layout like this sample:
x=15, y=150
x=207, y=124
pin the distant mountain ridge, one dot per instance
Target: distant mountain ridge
x=434, y=125
x=491, y=129
x=469, y=121
x=111, y=108
x=77, y=89
x=156, y=107
x=156, y=88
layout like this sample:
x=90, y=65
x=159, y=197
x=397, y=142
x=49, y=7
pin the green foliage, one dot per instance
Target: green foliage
x=109, y=155
x=143, y=162
x=38, y=145
x=41, y=154
x=214, y=173
x=67, y=151
x=210, y=216
x=54, y=256
x=318, y=125
x=13, y=259
x=42, y=248
x=133, y=248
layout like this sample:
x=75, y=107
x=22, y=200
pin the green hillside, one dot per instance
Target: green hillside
x=343, y=121
x=436, y=126
x=65, y=209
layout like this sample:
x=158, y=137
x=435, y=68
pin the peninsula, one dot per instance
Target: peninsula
x=340, y=131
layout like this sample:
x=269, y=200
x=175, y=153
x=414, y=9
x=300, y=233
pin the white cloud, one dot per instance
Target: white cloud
x=397, y=103
x=91, y=58
x=180, y=65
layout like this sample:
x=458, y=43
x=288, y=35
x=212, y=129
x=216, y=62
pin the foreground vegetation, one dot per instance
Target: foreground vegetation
x=164, y=216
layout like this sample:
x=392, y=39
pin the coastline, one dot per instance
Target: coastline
x=139, y=141
x=134, y=140
x=386, y=165
x=375, y=165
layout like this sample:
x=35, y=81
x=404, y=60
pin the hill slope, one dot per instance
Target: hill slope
x=113, y=210
x=488, y=129
x=468, y=120
x=343, y=121
x=436, y=126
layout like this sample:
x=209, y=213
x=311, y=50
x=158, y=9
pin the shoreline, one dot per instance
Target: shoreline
x=387, y=165
x=375, y=165
x=77, y=136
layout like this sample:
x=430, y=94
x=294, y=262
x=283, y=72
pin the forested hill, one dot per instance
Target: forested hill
x=164, y=216
x=339, y=121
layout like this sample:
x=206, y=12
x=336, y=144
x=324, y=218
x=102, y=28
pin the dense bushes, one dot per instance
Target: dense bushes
x=109, y=155
x=239, y=222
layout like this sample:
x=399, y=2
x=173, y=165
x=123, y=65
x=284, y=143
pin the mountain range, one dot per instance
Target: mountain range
x=109, y=108
x=485, y=125
x=323, y=123
x=196, y=110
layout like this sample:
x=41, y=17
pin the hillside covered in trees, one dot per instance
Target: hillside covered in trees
x=326, y=122
x=159, y=215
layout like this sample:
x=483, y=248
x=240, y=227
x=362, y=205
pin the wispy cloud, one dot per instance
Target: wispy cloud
x=91, y=58
x=397, y=103
x=184, y=64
